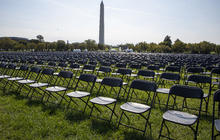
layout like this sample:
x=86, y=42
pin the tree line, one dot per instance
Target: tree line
x=166, y=46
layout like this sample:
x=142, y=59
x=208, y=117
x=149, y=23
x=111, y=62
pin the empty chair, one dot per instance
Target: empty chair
x=88, y=68
x=44, y=80
x=139, y=108
x=165, y=77
x=31, y=77
x=147, y=74
x=173, y=69
x=180, y=117
x=88, y=82
x=215, y=75
x=110, y=86
x=216, y=115
x=105, y=71
x=201, y=81
x=62, y=83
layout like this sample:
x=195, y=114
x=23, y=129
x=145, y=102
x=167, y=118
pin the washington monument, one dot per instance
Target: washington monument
x=101, y=25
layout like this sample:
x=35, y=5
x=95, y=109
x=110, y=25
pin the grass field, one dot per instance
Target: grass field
x=25, y=118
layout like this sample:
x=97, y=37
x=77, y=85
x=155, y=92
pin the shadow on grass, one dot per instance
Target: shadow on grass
x=50, y=108
x=33, y=103
x=135, y=135
x=74, y=116
x=101, y=126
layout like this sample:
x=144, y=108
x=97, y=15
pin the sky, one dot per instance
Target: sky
x=126, y=21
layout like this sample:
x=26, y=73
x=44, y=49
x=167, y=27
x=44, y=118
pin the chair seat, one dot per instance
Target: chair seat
x=135, y=107
x=205, y=95
x=55, y=89
x=15, y=78
x=206, y=73
x=102, y=100
x=4, y=76
x=88, y=70
x=99, y=80
x=115, y=73
x=27, y=81
x=124, y=83
x=36, y=85
x=78, y=94
x=215, y=83
x=56, y=73
x=217, y=125
x=180, y=117
x=163, y=90
x=133, y=75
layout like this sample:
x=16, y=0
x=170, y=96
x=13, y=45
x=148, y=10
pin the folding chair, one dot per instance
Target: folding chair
x=44, y=80
x=32, y=77
x=179, y=117
x=10, y=69
x=138, y=108
x=113, y=84
x=216, y=115
x=165, y=77
x=64, y=79
x=201, y=81
x=147, y=74
x=88, y=82
x=215, y=75
x=19, y=75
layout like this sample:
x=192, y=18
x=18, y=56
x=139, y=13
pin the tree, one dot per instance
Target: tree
x=61, y=45
x=91, y=45
x=40, y=38
x=178, y=46
x=167, y=41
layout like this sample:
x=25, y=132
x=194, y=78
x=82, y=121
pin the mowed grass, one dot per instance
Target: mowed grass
x=25, y=118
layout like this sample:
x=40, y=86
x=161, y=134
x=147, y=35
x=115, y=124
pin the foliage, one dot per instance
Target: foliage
x=166, y=46
x=40, y=38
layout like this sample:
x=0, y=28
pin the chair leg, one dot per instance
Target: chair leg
x=161, y=128
x=120, y=119
x=91, y=110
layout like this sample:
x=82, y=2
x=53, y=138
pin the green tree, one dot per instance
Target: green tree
x=61, y=45
x=178, y=46
x=167, y=41
x=40, y=38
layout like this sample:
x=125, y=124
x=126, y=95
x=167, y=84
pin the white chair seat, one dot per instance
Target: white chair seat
x=56, y=73
x=103, y=100
x=15, y=78
x=180, y=117
x=36, y=85
x=217, y=125
x=99, y=80
x=78, y=94
x=135, y=107
x=27, y=81
x=55, y=89
x=4, y=76
x=163, y=90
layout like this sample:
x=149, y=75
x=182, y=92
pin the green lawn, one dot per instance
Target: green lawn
x=22, y=118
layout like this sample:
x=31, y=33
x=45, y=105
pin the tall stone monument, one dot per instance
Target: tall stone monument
x=101, y=25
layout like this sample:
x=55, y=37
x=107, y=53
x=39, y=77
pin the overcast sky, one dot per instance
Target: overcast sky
x=126, y=21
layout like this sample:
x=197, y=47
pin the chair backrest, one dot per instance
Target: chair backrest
x=186, y=91
x=89, y=67
x=74, y=65
x=200, y=79
x=23, y=68
x=66, y=74
x=35, y=69
x=112, y=81
x=105, y=69
x=87, y=77
x=170, y=76
x=11, y=66
x=172, y=68
x=124, y=71
x=48, y=71
x=153, y=67
x=216, y=71
x=144, y=85
x=147, y=73
x=195, y=70
x=216, y=98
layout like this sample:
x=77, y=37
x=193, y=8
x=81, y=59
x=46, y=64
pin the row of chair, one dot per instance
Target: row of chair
x=33, y=81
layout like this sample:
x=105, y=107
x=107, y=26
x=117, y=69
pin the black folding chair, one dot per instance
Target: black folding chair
x=216, y=115
x=113, y=85
x=147, y=74
x=180, y=117
x=139, y=108
x=44, y=80
x=201, y=81
x=32, y=77
x=83, y=88
x=64, y=79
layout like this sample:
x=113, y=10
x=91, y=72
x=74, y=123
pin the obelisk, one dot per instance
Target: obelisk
x=101, y=25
